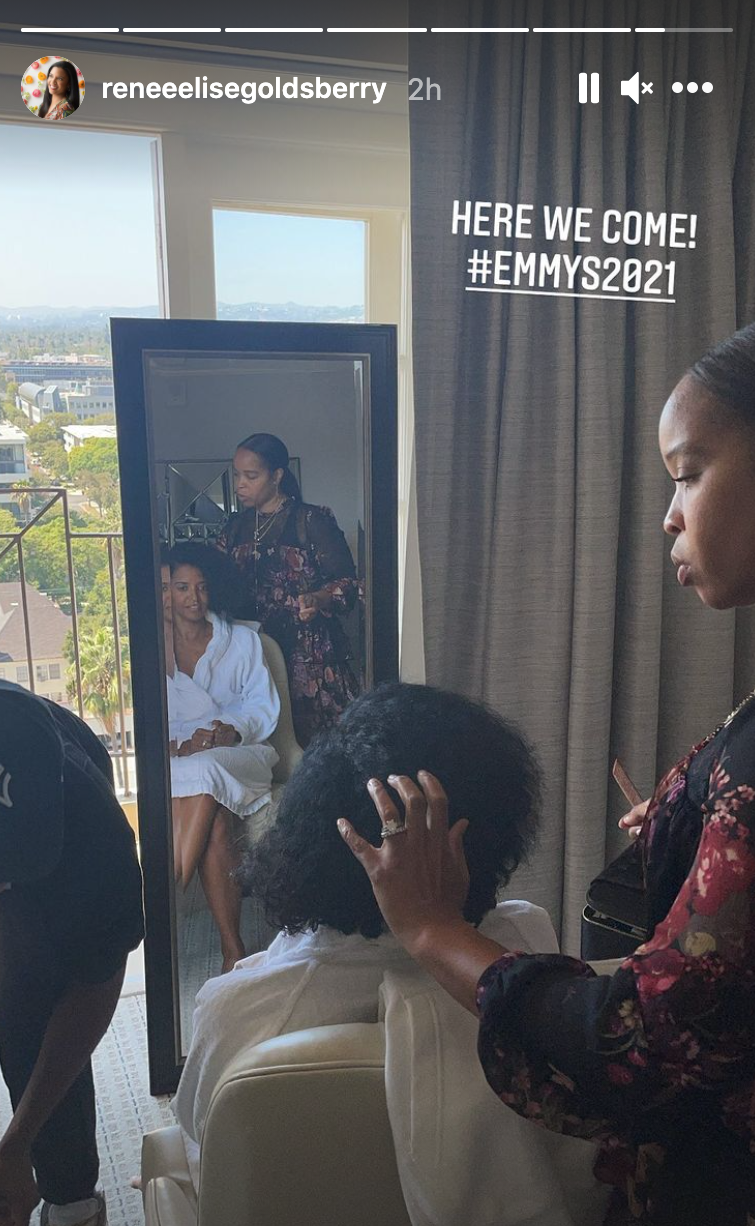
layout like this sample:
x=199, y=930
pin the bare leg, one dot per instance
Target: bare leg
x=216, y=868
x=177, y=810
x=193, y=818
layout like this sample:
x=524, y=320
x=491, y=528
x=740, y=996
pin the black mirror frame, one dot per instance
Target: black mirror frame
x=131, y=338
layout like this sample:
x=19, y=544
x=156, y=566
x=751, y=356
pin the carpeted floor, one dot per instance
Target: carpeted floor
x=125, y=1109
x=198, y=943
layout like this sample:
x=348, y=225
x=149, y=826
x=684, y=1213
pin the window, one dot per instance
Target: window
x=2, y=674
x=295, y=267
x=110, y=189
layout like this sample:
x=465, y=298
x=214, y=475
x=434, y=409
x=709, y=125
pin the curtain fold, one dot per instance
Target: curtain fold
x=547, y=590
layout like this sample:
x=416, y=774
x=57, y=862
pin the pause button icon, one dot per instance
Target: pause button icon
x=594, y=87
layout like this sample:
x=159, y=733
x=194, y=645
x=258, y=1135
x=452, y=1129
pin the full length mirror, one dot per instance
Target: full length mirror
x=260, y=523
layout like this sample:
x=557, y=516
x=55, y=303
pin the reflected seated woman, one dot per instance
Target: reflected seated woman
x=335, y=961
x=222, y=707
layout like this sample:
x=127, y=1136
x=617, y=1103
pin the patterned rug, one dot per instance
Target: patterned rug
x=125, y=1110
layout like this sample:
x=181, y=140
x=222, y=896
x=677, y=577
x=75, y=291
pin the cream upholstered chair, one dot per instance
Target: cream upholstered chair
x=297, y=1134
x=283, y=740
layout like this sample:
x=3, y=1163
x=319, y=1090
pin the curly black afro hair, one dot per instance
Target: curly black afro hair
x=303, y=872
x=223, y=581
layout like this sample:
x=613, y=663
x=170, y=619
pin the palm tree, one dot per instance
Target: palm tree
x=99, y=681
x=23, y=498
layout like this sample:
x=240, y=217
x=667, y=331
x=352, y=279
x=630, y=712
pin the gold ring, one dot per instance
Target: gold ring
x=390, y=828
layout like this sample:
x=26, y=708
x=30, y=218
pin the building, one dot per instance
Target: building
x=87, y=399
x=75, y=436
x=51, y=369
x=14, y=466
x=79, y=399
x=48, y=627
x=37, y=401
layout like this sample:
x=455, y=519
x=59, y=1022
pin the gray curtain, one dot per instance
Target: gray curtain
x=547, y=589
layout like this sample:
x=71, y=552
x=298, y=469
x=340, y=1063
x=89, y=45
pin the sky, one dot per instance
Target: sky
x=269, y=257
x=81, y=232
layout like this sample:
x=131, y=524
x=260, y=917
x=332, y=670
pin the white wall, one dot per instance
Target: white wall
x=311, y=405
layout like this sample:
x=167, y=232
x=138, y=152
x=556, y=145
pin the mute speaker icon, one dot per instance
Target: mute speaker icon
x=632, y=87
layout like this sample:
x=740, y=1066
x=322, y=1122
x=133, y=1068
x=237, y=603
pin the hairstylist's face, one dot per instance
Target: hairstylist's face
x=253, y=481
x=189, y=597
x=712, y=513
x=58, y=82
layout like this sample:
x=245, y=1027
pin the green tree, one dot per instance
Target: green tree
x=24, y=499
x=102, y=490
x=101, y=419
x=45, y=562
x=8, y=565
x=99, y=678
x=97, y=455
x=54, y=458
x=49, y=430
x=94, y=466
x=15, y=416
x=97, y=610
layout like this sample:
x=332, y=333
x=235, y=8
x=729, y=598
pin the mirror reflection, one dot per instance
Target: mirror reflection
x=260, y=492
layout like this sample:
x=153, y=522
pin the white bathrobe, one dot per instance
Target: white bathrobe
x=231, y=683
x=463, y=1157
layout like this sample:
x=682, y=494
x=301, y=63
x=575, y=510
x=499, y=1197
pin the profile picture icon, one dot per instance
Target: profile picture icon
x=52, y=87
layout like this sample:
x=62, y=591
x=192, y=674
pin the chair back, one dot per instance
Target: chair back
x=297, y=1133
x=283, y=740
x=301, y=1122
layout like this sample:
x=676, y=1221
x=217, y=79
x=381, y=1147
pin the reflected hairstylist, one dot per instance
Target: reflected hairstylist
x=299, y=577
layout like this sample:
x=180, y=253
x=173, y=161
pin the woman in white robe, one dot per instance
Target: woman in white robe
x=222, y=707
x=462, y=1156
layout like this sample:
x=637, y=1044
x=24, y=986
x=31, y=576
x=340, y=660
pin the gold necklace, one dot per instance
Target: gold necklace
x=259, y=533
x=733, y=714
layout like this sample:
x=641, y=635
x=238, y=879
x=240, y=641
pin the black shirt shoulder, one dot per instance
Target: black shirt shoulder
x=83, y=878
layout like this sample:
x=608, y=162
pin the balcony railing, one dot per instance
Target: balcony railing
x=17, y=541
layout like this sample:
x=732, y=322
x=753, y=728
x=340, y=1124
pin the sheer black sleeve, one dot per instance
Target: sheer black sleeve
x=333, y=558
x=581, y=1053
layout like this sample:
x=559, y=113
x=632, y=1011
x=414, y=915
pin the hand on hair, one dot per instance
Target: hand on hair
x=419, y=875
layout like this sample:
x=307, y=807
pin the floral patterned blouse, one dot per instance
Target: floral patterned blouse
x=656, y=1063
x=303, y=550
x=61, y=110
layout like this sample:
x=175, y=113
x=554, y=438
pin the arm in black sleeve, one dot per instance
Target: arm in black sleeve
x=334, y=559
x=678, y=1014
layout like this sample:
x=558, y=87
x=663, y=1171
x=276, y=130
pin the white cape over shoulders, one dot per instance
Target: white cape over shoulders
x=480, y=1163
x=463, y=1157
